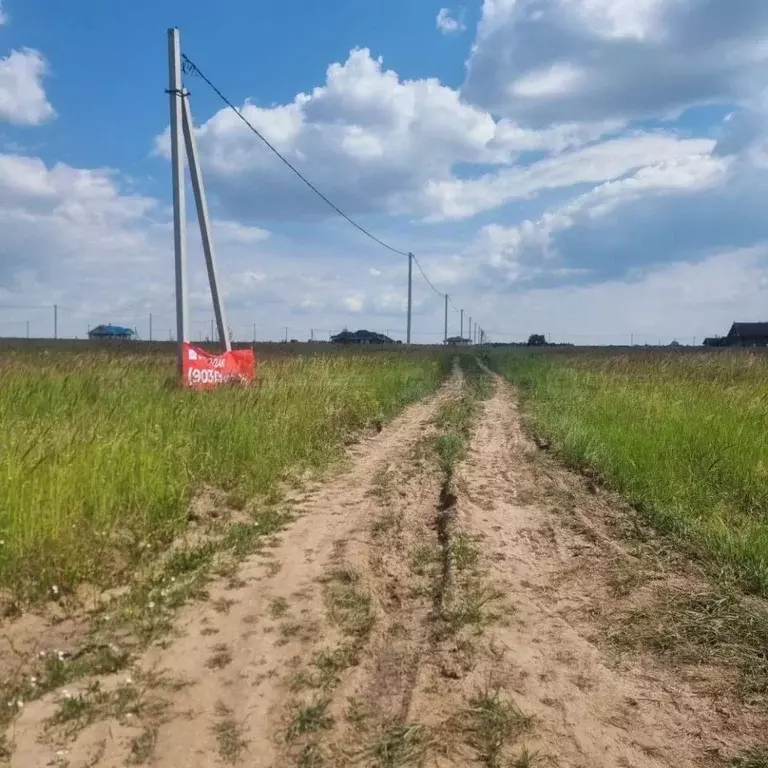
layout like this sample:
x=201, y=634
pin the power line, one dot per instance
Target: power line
x=424, y=275
x=191, y=68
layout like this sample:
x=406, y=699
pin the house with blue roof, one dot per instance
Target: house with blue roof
x=114, y=332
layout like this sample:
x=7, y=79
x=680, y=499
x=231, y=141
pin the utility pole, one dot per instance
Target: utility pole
x=27, y=329
x=55, y=321
x=632, y=340
x=410, y=297
x=176, y=99
x=286, y=334
x=150, y=326
x=469, y=329
x=445, y=335
x=461, y=327
x=203, y=219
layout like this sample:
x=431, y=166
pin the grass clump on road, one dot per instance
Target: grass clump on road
x=681, y=434
x=102, y=453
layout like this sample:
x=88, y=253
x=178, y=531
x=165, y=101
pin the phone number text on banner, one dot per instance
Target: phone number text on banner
x=203, y=370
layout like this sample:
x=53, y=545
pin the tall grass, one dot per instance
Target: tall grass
x=684, y=436
x=100, y=453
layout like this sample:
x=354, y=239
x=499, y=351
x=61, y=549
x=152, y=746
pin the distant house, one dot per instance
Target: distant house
x=458, y=341
x=112, y=332
x=748, y=335
x=361, y=337
x=716, y=341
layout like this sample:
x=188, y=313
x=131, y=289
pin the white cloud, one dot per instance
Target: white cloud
x=355, y=303
x=548, y=61
x=237, y=233
x=22, y=97
x=552, y=81
x=507, y=248
x=3, y=16
x=448, y=24
x=459, y=198
x=681, y=300
x=371, y=141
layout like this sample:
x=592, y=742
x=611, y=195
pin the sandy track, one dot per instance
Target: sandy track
x=550, y=547
x=342, y=646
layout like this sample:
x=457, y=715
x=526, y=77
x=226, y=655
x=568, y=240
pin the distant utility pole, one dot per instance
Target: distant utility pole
x=632, y=340
x=286, y=334
x=445, y=335
x=410, y=298
x=27, y=328
x=150, y=326
x=311, y=334
x=469, y=329
x=461, y=327
x=55, y=321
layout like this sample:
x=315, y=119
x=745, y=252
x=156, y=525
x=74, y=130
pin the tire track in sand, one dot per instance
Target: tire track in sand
x=548, y=547
x=238, y=650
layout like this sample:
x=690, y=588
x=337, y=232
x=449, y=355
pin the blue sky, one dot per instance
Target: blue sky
x=585, y=168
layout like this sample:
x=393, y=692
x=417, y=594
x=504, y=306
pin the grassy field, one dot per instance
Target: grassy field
x=683, y=435
x=101, y=453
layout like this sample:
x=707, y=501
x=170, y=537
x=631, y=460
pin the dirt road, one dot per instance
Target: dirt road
x=404, y=620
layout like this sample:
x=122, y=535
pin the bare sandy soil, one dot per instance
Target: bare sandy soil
x=401, y=621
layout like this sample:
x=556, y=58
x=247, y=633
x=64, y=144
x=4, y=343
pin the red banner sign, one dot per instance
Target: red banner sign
x=202, y=370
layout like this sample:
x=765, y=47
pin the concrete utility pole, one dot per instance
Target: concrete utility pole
x=150, y=326
x=176, y=99
x=286, y=334
x=204, y=221
x=461, y=327
x=55, y=321
x=445, y=335
x=469, y=329
x=410, y=298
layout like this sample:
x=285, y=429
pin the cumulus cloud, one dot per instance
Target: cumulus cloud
x=545, y=61
x=449, y=24
x=22, y=97
x=371, y=141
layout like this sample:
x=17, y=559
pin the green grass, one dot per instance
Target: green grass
x=492, y=724
x=682, y=435
x=101, y=452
